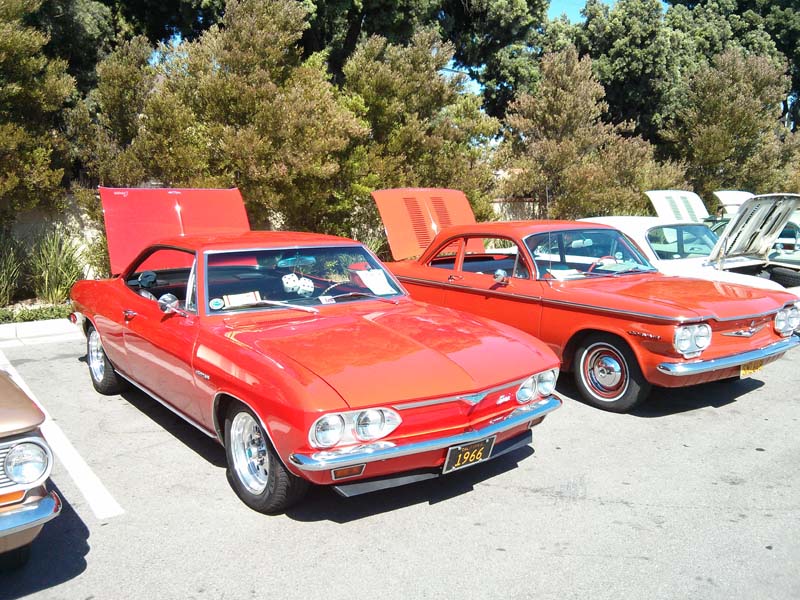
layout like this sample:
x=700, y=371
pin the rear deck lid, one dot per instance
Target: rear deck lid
x=413, y=216
x=137, y=217
x=731, y=200
x=678, y=205
x=756, y=226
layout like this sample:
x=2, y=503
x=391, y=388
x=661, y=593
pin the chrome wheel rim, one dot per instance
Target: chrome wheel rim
x=605, y=372
x=249, y=453
x=96, y=358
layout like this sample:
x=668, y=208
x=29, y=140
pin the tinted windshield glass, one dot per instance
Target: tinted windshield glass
x=251, y=279
x=670, y=242
x=579, y=253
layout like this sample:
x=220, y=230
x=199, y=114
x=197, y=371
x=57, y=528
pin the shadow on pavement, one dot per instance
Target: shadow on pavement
x=57, y=555
x=324, y=504
x=669, y=401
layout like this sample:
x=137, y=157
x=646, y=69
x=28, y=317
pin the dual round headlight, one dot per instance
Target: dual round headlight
x=353, y=427
x=26, y=463
x=692, y=339
x=542, y=384
x=787, y=319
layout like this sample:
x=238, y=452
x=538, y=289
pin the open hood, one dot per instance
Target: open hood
x=731, y=200
x=137, y=217
x=413, y=216
x=756, y=226
x=678, y=205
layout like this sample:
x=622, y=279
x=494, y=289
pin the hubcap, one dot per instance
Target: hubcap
x=97, y=363
x=249, y=452
x=605, y=372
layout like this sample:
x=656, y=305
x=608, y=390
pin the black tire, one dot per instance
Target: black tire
x=14, y=559
x=104, y=378
x=608, y=375
x=786, y=277
x=263, y=483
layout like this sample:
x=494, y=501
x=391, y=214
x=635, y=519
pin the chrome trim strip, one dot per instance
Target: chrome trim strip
x=29, y=515
x=471, y=398
x=462, y=288
x=168, y=406
x=382, y=450
x=715, y=364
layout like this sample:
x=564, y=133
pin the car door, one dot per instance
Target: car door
x=511, y=297
x=160, y=346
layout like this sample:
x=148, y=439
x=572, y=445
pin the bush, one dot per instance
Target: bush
x=11, y=261
x=22, y=315
x=55, y=264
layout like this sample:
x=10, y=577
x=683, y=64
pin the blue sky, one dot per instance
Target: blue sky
x=571, y=7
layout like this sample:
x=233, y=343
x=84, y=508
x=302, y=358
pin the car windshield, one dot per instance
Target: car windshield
x=688, y=240
x=581, y=253
x=299, y=278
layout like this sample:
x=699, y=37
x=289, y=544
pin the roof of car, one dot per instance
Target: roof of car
x=637, y=223
x=253, y=239
x=520, y=228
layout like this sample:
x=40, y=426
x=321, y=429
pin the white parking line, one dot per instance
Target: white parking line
x=98, y=497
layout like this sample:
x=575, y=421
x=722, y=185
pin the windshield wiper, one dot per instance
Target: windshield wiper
x=365, y=295
x=308, y=309
x=635, y=269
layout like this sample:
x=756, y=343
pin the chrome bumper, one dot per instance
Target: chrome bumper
x=382, y=450
x=717, y=364
x=31, y=514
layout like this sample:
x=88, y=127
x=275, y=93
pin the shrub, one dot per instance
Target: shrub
x=10, y=268
x=55, y=264
x=34, y=314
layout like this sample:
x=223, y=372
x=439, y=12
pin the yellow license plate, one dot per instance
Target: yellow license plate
x=459, y=457
x=748, y=369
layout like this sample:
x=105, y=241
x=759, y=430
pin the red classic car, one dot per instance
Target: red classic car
x=25, y=464
x=589, y=293
x=300, y=352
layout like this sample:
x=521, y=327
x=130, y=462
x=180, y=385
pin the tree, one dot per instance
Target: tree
x=729, y=130
x=33, y=91
x=559, y=153
x=425, y=130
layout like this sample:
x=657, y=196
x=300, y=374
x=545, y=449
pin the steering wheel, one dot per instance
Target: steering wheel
x=331, y=286
x=601, y=261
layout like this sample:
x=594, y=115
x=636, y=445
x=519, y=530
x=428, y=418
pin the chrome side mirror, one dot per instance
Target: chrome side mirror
x=501, y=277
x=169, y=303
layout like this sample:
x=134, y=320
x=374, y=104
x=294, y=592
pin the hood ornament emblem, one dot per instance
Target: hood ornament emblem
x=745, y=333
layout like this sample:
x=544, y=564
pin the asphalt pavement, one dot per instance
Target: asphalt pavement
x=695, y=495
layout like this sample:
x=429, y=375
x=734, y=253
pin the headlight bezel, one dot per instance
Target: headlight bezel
x=692, y=339
x=351, y=434
x=787, y=319
x=14, y=446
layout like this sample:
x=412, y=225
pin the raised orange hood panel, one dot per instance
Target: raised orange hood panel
x=137, y=217
x=413, y=216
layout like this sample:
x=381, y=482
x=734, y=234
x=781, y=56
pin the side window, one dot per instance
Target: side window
x=485, y=255
x=663, y=241
x=447, y=256
x=164, y=271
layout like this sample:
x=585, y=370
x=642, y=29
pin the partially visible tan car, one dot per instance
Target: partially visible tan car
x=25, y=464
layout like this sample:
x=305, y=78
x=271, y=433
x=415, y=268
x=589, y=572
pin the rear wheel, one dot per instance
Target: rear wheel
x=255, y=472
x=607, y=374
x=104, y=379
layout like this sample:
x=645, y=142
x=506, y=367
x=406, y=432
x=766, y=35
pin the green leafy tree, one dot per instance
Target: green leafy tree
x=729, y=131
x=33, y=91
x=425, y=130
x=560, y=154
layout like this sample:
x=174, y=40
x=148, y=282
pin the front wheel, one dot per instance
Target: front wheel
x=607, y=374
x=104, y=379
x=255, y=472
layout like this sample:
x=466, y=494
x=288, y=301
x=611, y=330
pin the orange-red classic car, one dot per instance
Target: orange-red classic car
x=299, y=352
x=588, y=292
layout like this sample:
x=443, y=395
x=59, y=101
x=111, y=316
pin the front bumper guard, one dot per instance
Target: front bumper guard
x=29, y=515
x=383, y=450
x=727, y=362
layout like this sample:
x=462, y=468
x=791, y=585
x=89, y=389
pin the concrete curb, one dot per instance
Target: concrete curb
x=37, y=332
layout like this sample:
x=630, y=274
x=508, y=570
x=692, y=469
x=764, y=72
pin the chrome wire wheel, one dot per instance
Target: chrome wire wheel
x=605, y=372
x=96, y=357
x=249, y=452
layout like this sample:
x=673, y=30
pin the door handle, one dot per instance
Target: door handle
x=455, y=277
x=128, y=314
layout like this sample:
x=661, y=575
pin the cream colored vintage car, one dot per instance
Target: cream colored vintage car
x=25, y=464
